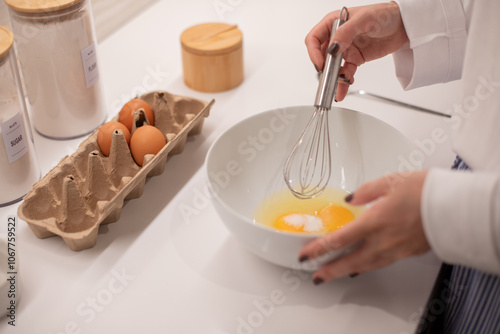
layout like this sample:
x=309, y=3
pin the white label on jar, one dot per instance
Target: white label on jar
x=89, y=61
x=14, y=137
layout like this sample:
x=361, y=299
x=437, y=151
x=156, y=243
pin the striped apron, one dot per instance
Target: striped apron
x=464, y=300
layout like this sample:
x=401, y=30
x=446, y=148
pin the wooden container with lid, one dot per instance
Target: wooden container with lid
x=212, y=57
x=6, y=41
x=18, y=164
x=63, y=82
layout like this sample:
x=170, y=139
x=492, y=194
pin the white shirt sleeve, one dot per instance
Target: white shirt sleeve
x=460, y=210
x=461, y=214
x=437, y=31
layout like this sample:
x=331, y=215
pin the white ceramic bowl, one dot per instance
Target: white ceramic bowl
x=245, y=163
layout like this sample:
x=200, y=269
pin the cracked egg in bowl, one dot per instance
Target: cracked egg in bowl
x=244, y=171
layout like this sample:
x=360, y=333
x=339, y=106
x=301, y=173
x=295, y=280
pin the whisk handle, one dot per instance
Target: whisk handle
x=327, y=87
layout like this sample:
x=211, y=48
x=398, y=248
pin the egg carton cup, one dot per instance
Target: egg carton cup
x=87, y=189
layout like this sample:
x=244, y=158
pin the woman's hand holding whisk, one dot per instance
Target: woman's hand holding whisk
x=370, y=33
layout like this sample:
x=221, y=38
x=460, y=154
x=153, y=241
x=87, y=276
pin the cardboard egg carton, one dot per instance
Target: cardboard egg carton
x=87, y=189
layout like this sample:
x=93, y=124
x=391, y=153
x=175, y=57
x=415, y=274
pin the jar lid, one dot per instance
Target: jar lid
x=211, y=38
x=6, y=41
x=40, y=6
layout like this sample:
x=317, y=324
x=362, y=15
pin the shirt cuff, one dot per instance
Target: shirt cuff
x=461, y=218
x=437, y=33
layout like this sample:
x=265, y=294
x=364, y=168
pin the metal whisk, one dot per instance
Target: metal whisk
x=308, y=166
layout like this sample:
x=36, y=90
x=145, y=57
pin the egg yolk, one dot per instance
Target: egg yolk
x=328, y=219
x=335, y=216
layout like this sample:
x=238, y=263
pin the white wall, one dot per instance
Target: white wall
x=108, y=14
x=111, y=14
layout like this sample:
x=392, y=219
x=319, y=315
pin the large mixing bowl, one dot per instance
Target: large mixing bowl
x=245, y=165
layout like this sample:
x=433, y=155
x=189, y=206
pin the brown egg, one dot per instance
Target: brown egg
x=126, y=115
x=146, y=140
x=105, y=135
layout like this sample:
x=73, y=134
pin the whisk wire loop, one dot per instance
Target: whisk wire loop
x=311, y=157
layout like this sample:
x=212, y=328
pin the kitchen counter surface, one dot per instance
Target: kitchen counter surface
x=159, y=271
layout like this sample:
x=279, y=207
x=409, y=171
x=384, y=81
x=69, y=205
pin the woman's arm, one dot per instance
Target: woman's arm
x=437, y=33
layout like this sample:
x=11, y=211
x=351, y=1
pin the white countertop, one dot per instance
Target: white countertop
x=155, y=272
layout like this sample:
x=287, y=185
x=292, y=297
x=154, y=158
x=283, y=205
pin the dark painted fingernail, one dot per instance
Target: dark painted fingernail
x=344, y=79
x=335, y=99
x=316, y=67
x=353, y=275
x=318, y=281
x=333, y=49
x=349, y=197
x=303, y=258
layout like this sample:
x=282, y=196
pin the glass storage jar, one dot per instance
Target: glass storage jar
x=57, y=50
x=18, y=163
